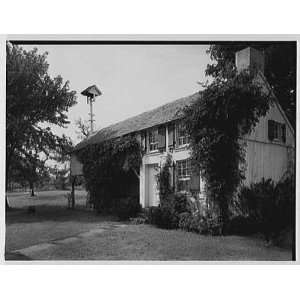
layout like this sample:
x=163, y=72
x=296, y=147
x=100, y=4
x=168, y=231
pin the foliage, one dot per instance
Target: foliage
x=111, y=170
x=227, y=110
x=34, y=100
x=280, y=68
x=269, y=206
x=164, y=180
x=195, y=219
x=242, y=225
x=128, y=207
x=167, y=214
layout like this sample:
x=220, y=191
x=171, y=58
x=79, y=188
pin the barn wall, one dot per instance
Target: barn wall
x=265, y=158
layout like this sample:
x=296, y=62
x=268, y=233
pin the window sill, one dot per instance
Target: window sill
x=277, y=141
x=152, y=152
x=184, y=179
x=182, y=147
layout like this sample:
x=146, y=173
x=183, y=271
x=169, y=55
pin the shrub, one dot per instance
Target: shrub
x=167, y=214
x=267, y=207
x=199, y=223
x=242, y=225
x=127, y=208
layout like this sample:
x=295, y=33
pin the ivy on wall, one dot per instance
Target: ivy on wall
x=228, y=109
x=111, y=169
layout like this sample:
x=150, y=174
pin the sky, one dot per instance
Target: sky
x=132, y=78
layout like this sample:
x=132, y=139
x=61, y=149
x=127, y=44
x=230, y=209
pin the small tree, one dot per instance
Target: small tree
x=83, y=129
x=164, y=180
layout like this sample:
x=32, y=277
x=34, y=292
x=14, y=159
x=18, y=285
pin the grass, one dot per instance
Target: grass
x=53, y=222
x=144, y=242
x=52, y=219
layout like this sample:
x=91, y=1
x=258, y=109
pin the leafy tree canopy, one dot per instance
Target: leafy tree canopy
x=34, y=101
x=280, y=68
x=228, y=109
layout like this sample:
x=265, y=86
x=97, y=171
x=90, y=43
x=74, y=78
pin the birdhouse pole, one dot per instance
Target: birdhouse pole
x=91, y=93
x=91, y=113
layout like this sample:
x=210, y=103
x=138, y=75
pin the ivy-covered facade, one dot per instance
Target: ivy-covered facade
x=269, y=148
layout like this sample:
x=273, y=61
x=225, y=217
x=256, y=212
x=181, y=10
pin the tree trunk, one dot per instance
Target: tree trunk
x=31, y=189
x=73, y=192
x=224, y=215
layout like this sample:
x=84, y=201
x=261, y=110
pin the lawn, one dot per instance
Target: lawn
x=57, y=233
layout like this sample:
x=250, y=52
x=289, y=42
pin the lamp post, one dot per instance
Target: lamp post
x=91, y=93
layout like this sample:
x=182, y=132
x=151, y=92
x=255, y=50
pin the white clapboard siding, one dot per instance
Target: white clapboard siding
x=265, y=158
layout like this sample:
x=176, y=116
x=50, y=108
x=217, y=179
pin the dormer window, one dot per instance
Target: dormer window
x=182, y=136
x=153, y=140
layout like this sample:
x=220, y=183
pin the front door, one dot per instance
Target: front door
x=151, y=185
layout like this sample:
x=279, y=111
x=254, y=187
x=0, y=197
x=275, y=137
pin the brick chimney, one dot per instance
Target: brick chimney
x=250, y=58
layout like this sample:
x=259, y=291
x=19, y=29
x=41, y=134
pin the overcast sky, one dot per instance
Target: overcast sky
x=132, y=78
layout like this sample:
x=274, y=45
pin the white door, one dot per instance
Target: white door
x=151, y=186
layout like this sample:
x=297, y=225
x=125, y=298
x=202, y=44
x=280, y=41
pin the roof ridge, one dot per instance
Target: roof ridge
x=135, y=123
x=149, y=111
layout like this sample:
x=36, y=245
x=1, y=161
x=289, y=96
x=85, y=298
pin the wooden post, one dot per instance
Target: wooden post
x=73, y=192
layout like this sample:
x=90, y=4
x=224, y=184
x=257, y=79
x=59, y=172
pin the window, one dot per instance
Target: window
x=153, y=140
x=183, y=168
x=182, y=137
x=276, y=131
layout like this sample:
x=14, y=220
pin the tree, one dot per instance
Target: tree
x=280, y=68
x=228, y=109
x=83, y=129
x=34, y=101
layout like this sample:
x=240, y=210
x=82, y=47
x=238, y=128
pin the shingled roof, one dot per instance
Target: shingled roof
x=160, y=115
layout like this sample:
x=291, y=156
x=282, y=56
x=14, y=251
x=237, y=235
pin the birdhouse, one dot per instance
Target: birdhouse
x=91, y=93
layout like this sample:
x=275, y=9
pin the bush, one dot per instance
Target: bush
x=242, y=225
x=267, y=207
x=127, y=208
x=199, y=223
x=167, y=214
x=152, y=215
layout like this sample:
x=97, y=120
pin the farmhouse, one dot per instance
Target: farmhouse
x=269, y=148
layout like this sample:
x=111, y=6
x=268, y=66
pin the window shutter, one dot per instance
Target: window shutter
x=195, y=180
x=283, y=133
x=171, y=135
x=271, y=125
x=146, y=141
x=162, y=138
x=143, y=143
x=175, y=176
